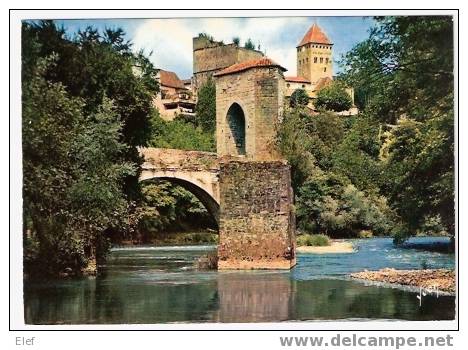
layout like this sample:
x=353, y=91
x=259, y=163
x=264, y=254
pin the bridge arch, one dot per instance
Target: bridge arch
x=195, y=171
x=194, y=187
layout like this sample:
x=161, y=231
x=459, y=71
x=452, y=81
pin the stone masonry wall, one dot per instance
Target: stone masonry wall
x=211, y=57
x=260, y=93
x=308, y=68
x=257, y=229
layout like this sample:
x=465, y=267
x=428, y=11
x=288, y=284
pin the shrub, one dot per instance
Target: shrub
x=206, y=107
x=334, y=98
x=249, y=44
x=299, y=98
x=365, y=234
x=313, y=240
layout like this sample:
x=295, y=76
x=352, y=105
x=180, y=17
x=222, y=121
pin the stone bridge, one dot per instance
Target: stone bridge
x=197, y=172
x=246, y=185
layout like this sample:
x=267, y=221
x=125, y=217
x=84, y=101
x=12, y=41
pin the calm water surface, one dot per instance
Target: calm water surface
x=158, y=285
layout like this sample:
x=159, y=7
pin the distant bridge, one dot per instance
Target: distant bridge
x=195, y=171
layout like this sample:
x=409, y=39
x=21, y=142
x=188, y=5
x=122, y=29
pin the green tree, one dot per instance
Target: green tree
x=73, y=175
x=206, y=107
x=94, y=65
x=179, y=134
x=357, y=155
x=330, y=158
x=249, y=44
x=87, y=99
x=404, y=78
x=206, y=36
x=404, y=67
x=168, y=208
x=299, y=98
x=236, y=40
x=333, y=98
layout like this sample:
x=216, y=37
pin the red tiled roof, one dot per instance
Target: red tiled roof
x=315, y=35
x=322, y=82
x=170, y=79
x=242, y=66
x=297, y=80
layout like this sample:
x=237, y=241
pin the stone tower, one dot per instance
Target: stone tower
x=210, y=56
x=256, y=226
x=314, y=55
x=249, y=105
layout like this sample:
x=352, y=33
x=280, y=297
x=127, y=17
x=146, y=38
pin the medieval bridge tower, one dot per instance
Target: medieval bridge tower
x=256, y=220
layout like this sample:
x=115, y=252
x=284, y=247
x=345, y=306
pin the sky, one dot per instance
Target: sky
x=170, y=39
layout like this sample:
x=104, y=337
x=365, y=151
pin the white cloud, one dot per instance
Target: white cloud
x=171, y=39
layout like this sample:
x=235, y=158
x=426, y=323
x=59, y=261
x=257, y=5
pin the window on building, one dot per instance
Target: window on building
x=321, y=59
x=315, y=59
x=326, y=60
x=325, y=69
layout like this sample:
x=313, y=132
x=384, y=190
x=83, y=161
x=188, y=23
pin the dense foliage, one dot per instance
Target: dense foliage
x=324, y=176
x=180, y=134
x=404, y=76
x=73, y=176
x=333, y=98
x=298, y=98
x=170, y=208
x=206, y=107
x=390, y=169
x=249, y=44
x=313, y=240
x=84, y=111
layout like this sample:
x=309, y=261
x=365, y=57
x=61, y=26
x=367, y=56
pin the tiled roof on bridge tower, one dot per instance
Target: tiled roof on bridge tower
x=242, y=66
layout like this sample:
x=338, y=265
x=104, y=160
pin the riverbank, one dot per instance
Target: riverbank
x=177, y=238
x=441, y=279
x=335, y=247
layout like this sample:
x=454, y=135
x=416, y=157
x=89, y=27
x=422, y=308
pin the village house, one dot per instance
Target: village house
x=175, y=97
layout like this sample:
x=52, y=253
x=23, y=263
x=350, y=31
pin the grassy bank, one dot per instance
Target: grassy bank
x=313, y=240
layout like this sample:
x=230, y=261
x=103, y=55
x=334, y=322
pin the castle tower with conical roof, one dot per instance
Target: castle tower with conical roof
x=314, y=55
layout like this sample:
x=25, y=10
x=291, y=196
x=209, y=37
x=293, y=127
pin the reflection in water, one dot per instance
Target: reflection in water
x=154, y=285
x=250, y=297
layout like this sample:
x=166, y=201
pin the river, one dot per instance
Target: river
x=146, y=285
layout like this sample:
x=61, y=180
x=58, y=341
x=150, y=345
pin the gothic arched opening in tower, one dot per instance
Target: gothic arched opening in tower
x=236, y=132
